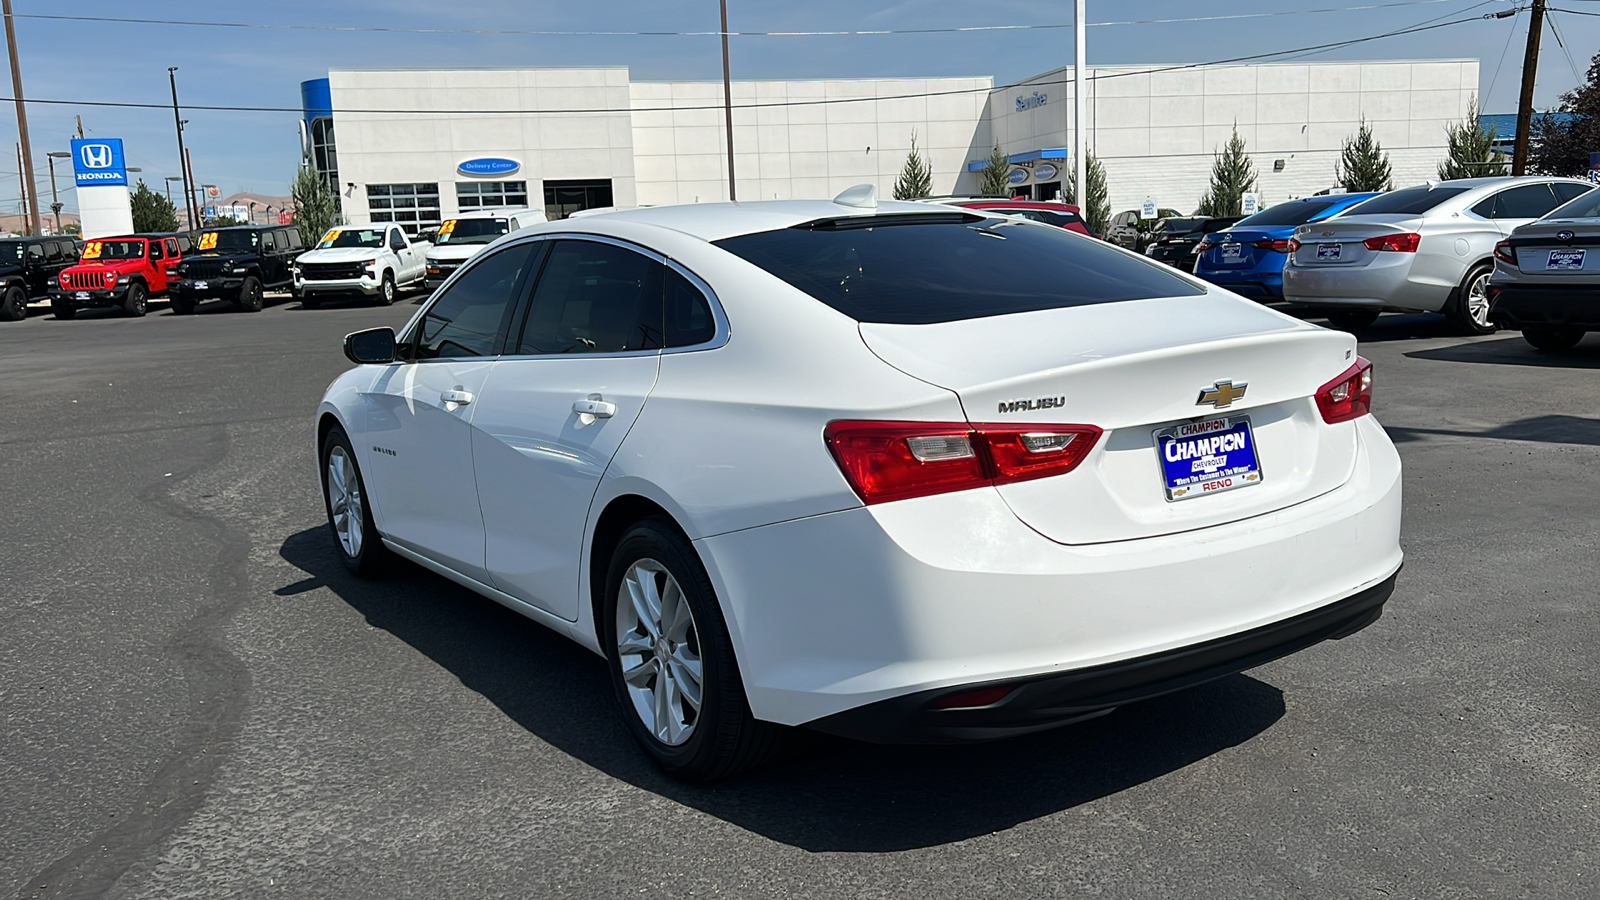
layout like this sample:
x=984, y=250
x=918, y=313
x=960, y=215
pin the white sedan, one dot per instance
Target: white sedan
x=889, y=471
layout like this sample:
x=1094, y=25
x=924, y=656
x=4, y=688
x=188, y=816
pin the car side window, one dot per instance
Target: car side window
x=52, y=251
x=35, y=253
x=1567, y=191
x=172, y=246
x=688, y=314
x=268, y=244
x=290, y=239
x=155, y=251
x=594, y=297
x=472, y=317
x=1528, y=201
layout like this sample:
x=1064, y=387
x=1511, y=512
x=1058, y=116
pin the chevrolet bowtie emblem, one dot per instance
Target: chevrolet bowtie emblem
x=1222, y=394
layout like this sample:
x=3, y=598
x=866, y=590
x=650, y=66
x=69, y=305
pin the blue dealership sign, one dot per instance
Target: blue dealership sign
x=98, y=162
x=488, y=165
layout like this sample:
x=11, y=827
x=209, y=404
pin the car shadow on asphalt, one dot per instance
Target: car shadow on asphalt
x=1512, y=350
x=1392, y=327
x=822, y=793
x=1553, y=429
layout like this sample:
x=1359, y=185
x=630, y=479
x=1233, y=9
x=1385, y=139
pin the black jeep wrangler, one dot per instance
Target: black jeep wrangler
x=239, y=264
x=28, y=266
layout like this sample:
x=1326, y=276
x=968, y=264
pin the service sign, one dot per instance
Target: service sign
x=488, y=165
x=98, y=162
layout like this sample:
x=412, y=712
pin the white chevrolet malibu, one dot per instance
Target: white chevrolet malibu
x=900, y=473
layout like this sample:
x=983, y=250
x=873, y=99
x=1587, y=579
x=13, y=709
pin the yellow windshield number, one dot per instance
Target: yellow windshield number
x=448, y=226
x=91, y=250
x=208, y=241
x=332, y=233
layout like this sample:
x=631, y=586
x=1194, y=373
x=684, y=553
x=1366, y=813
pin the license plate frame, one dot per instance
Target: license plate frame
x=80, y=295
x=1185, y=474
x=1233, y=252
x=1564, y=261
x=1330, y=252
x=201, y=285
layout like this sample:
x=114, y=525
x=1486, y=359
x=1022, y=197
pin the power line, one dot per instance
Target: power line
x=379, y=29
x=1511, y=32
x=1099, y=76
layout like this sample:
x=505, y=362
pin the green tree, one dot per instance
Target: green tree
x=316, y=208
x=916, y=176
x=222, y=222
x=72, y=228
x=151, y=211
x=1362, y=165
x=1097, y=212
x=994, y=176
x=1471, y=149
x=1232, y=176
x=1563, y=147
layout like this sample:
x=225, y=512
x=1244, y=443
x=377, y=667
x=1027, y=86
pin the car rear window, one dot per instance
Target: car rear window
x=1585, y=207
x=1295, y=212
x=921, y=269
x=1411, y=201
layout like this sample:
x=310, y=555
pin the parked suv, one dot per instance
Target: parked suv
x=1177, y=241
x=117, y=271
x=1127, y=229
x=1427, y=248
x=28, y=265
x=237, y=264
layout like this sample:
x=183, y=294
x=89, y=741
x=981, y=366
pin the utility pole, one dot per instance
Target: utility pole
x=194, y=209
x=183, y=156
x=1530, y=67
x=727, y=100
x=26, y=161
x=1080, y=165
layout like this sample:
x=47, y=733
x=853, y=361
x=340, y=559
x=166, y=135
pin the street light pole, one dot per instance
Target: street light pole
x=28, y=193
x=727, y=101
x=183, y=157
x=55, y=199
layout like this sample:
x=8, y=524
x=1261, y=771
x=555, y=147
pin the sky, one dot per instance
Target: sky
x=80, y=61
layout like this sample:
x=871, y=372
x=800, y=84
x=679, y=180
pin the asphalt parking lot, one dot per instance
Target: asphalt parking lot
x=197, y=701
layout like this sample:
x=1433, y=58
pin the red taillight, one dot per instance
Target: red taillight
x=1203, y=246
x=1398, y=243
x=1281, y=245
x=1349, y=396
x=886, y=461
x=1294, y=244
x=1504, y=252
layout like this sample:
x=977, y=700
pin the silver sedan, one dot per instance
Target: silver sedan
x=1427, y=248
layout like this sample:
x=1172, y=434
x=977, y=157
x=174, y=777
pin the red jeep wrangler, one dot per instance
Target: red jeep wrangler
x=117, y=271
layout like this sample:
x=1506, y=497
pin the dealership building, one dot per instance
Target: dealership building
x=417, y=146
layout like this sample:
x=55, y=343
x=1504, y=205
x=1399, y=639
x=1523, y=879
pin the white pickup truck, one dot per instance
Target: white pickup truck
x=366, y=260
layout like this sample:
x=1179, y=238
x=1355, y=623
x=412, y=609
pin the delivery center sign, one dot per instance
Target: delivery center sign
x=98, y=162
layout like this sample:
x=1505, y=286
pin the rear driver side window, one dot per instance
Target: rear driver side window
x=471, y=318
x=594, y=298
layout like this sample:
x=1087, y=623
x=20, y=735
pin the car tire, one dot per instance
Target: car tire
x=345, y=498
x=250, y=294
x=655, y=567
x=183, y=306
x=387, y=290
x=61, y=309
x=1470, y=310
x=14, y=304
x=137, y=301
x=1553, y=338
x=1352, y=319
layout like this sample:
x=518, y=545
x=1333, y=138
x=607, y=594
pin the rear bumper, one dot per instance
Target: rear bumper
x=1256, y=286
x=1048, y=701
x=1536, y=306
x=1386, y=283
x=848, y=610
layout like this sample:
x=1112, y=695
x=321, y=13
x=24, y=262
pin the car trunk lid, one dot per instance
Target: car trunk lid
x=1341, y=242
x=1558, y=247
x=1132, y=369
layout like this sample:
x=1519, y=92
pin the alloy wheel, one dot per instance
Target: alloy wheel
x=1478, y=300
x=658, y=649
x=347, y=508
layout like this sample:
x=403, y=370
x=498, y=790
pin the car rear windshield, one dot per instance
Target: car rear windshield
x=1411, y=201
x=473, y=231
x=921, y=269
x=1295, y=212
x=1586, y=206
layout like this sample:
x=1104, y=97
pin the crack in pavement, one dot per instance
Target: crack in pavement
x=220, y=683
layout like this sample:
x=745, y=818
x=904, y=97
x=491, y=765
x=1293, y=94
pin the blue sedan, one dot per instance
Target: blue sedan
x=1248, y=258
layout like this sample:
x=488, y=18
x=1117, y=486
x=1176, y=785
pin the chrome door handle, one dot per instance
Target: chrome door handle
x=600, y=409
x=461, y=398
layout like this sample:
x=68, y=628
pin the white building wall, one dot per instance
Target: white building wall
x=553, y=133
x=792, y=140
x=1156, y=132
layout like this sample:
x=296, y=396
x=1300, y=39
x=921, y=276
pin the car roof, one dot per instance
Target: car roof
x=496, y=213
x=715, y=221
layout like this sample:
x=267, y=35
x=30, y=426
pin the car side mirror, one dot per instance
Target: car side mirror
x=375, y=345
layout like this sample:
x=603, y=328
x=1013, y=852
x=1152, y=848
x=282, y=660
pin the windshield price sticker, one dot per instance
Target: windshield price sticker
x=332, y=233
x=208, y=241
x=1209, y=457
x=448, y=226
x=91, y=250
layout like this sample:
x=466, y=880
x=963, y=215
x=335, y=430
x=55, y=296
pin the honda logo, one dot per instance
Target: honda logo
x=95, y=156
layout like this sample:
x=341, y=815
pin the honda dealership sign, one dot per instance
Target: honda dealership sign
x=97, y=162
x=101, y=175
